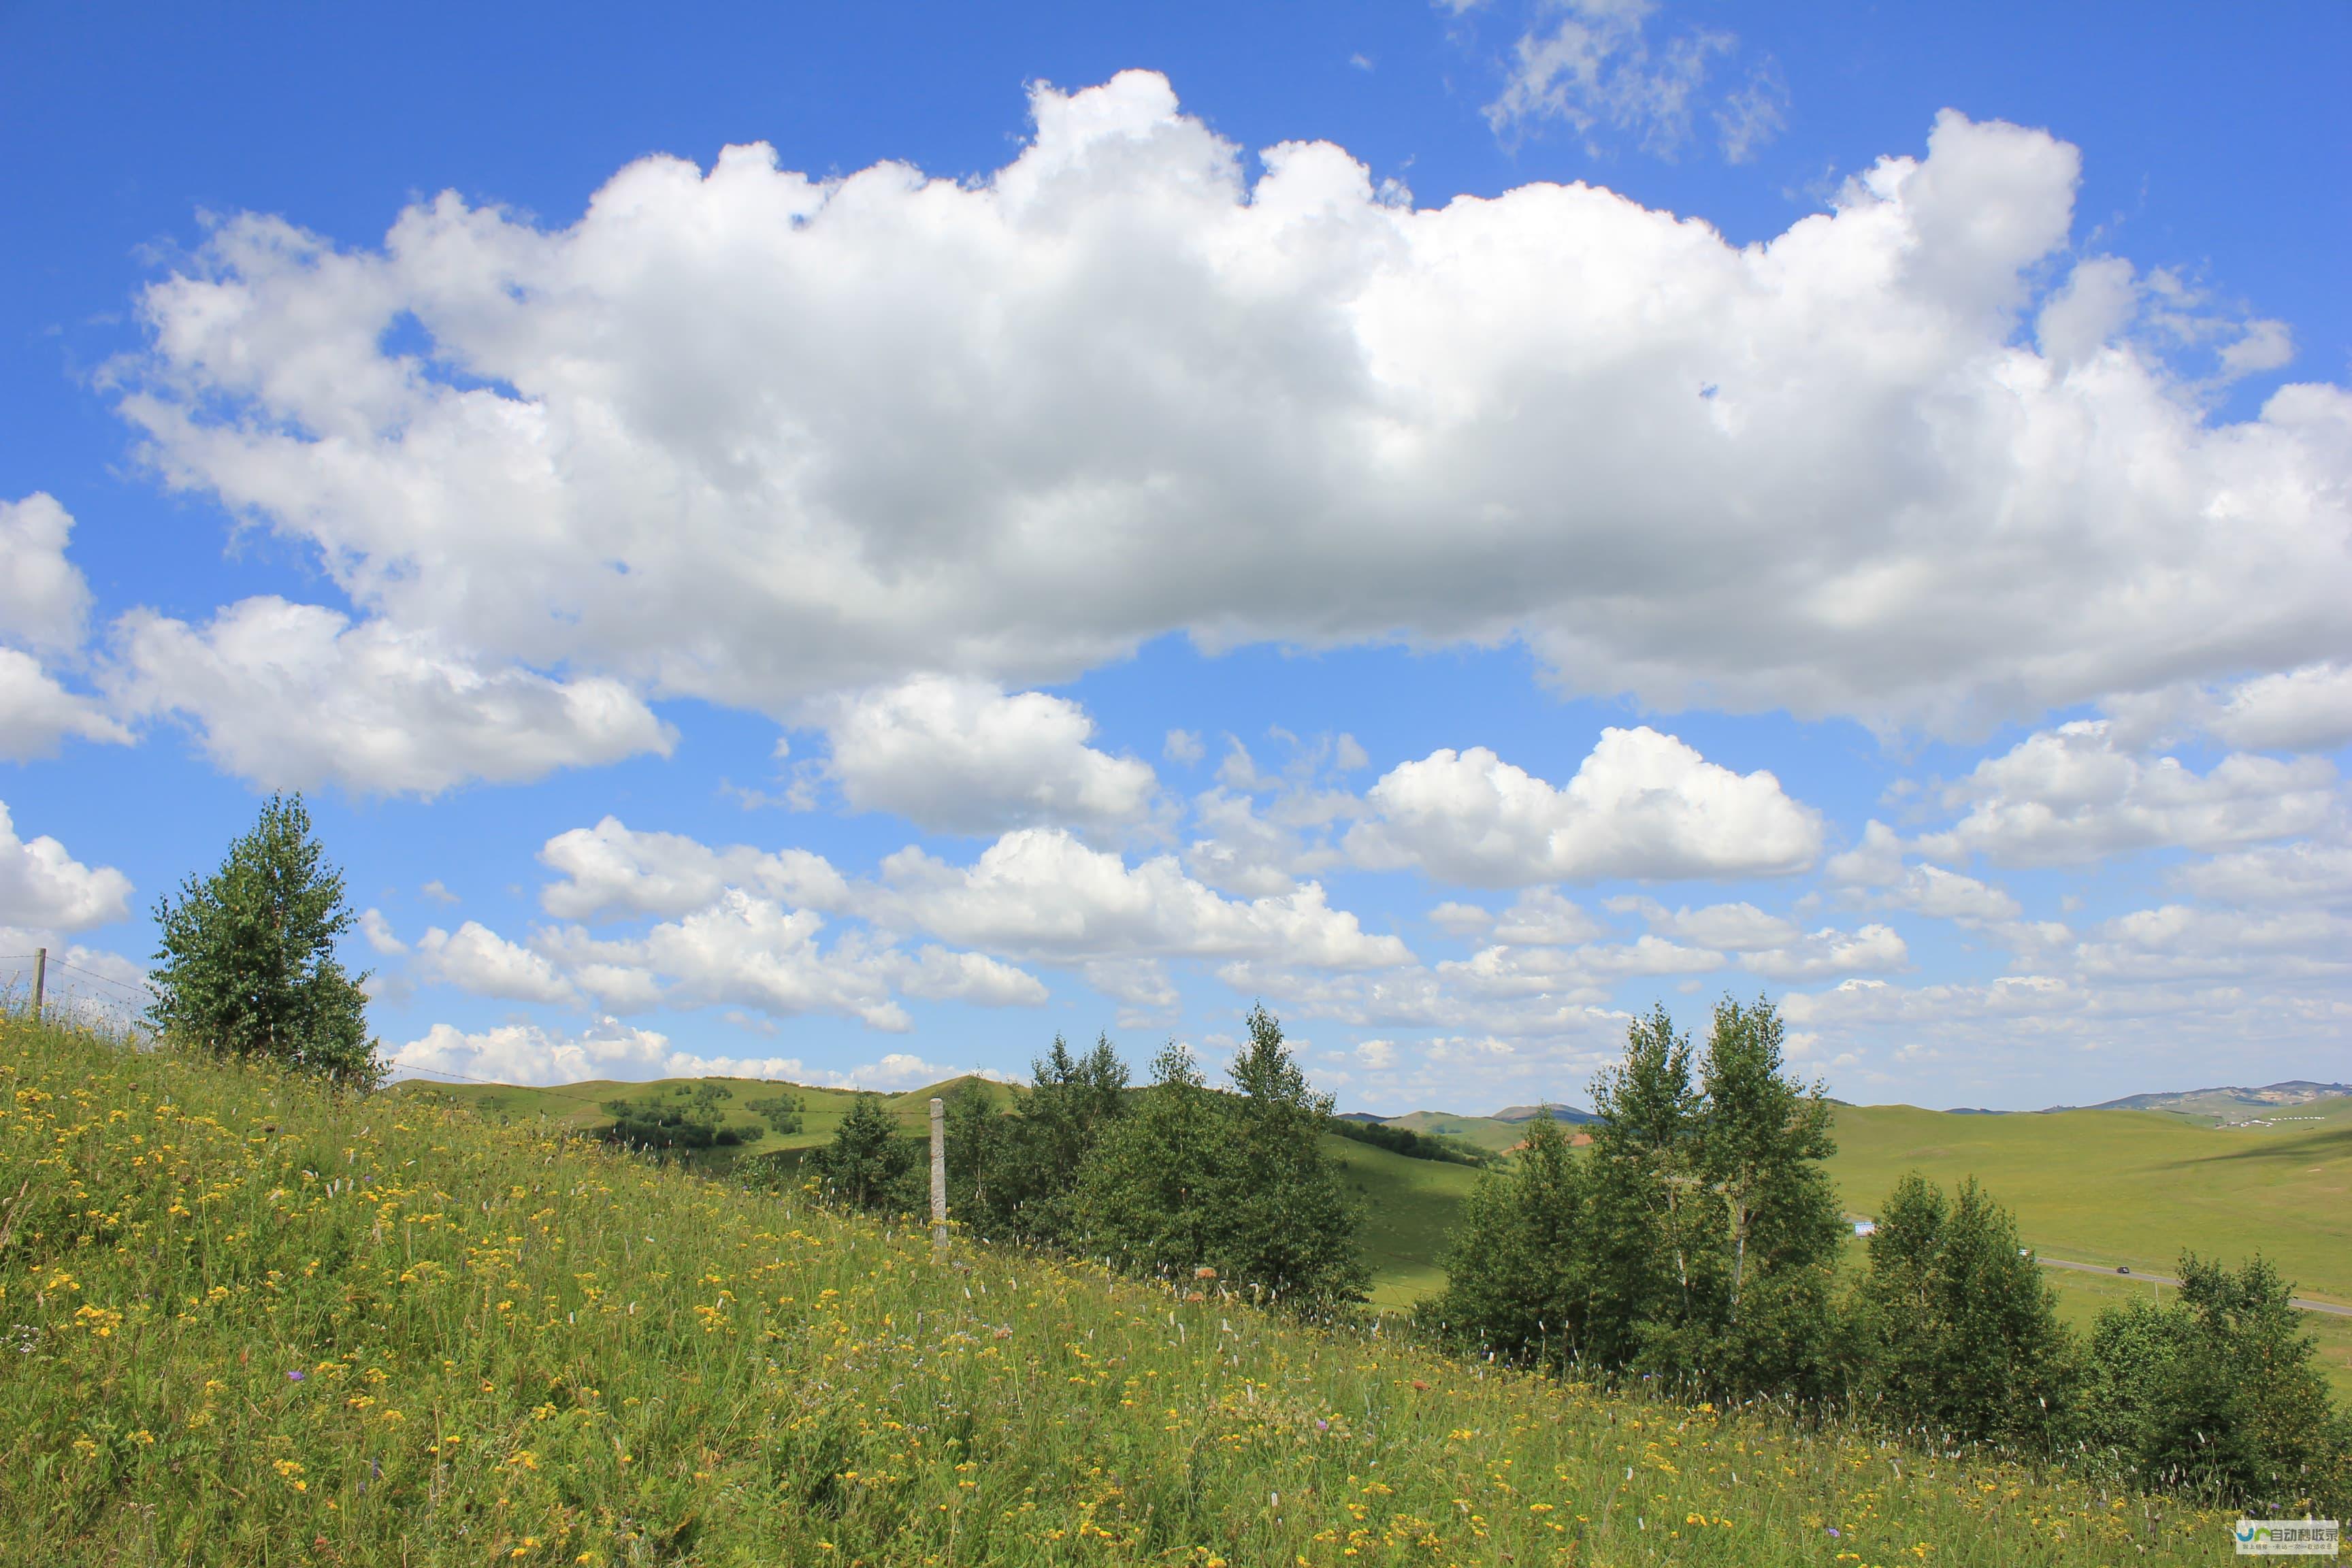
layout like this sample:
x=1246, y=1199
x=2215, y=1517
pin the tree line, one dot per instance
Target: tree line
x=1168, y=1181
x=1699, y=1243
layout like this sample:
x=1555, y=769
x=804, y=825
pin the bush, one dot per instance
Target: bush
x=658, y=1127
x=1017, y=1177
x=1517, y=1274
x=2216, y=1392
x=782, y=1112
x=868, y=1165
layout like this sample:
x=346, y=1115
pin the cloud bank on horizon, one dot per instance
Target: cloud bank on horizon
x=875, y=456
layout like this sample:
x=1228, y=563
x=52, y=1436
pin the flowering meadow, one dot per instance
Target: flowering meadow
x=247, y=1321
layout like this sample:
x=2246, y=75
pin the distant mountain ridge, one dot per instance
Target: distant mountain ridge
x=1559, y=1112
x=1504, y=1127
x=2294, y=1091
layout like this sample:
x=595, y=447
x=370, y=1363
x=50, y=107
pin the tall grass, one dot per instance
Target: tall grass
x=247, y=1322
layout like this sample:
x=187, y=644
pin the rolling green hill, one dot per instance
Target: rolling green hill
x=2131, y=1187
x=1485, y=1131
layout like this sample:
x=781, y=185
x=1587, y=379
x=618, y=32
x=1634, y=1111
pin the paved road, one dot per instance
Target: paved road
x=2330, y=1308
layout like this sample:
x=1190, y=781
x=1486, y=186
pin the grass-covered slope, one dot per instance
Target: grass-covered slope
x=249, y=1324
x=2131, y=1186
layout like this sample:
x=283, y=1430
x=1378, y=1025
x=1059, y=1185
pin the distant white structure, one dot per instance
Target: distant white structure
x=1866, y=1228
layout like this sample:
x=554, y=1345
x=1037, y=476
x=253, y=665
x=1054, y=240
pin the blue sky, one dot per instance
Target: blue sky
x=1458, y=521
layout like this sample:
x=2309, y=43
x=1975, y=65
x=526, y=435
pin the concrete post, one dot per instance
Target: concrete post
x=939, y=1171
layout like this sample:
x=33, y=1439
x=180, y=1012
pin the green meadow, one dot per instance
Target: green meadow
x=250, y=1322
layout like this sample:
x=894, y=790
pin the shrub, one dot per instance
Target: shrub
x=869, y=1164
x=2216, y=1392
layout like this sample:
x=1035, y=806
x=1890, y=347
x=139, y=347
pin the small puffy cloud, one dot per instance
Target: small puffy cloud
x=1541, y=917
x=1261, y=854
x=898, y=1071
x=611, y=869
x=1457, y=919
x=2177, y=943
x=1140, y=984
x=44, y=888
x=36, y=713
x=963, y=756
x=530, y=1053
x=1824, y=954
x=1579, y=974
x=744, y=951
x=2311, y=872
x=1741, y=927
x=478, y=961
x=1876, y=864
x=1183, y=747
x=2306, y=710
x=380, y=938
x=1642, y=804
x=2074, y=794
x=290, y=695
x=44, y=602
x=1040, y=894
x=1594, y=67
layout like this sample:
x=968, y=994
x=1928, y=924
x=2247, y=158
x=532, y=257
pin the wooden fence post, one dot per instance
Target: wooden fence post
x=40, y=979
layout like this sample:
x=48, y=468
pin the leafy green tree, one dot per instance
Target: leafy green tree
x=246, y=965
x=974, y=1140
x=1240, y=1183
x=1043, y=1146
x=1643, y=1246
x=1147, y=1195
x=1957, y=1330
x=1517, y=1271
x=1289, y=1226
x=1699, y=1243
x=2216, y=1392
x=869, y=1164
x=1762, y=1141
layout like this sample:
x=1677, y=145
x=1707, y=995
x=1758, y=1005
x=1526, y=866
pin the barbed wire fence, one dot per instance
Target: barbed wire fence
x=74, y=994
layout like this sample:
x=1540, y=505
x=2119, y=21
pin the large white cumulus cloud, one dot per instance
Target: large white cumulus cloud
x=43, y=607
x=964, y=756
x=750, y=436
x=290, y=695
x=44, y=888
x=1642, y=804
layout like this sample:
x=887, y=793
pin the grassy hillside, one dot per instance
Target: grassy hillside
x=1409, y=1205
x=2129, y=1186
x=251, y=1324
x=1483, y=1130
x=579, y=1106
